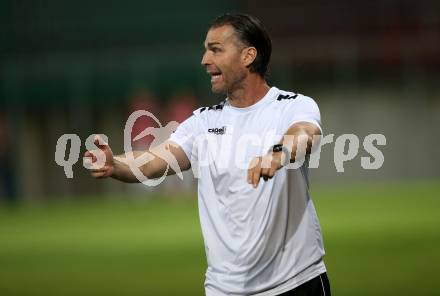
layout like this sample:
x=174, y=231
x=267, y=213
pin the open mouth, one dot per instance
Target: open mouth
x=215, y=76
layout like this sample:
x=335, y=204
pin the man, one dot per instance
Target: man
x=261, y=237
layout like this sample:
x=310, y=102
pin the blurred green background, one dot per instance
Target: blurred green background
x=380, y=240
x=82, y=67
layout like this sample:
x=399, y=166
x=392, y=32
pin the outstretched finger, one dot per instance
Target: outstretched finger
x=89, y=159
x=256, y=176
x=98, y=175
x=90, y=156
x=253, y=164
x=95, y=168
x=256, y=172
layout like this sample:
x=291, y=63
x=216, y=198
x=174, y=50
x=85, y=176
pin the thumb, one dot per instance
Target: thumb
x=99, y=142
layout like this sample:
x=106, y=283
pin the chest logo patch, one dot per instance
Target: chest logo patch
x=217, y=131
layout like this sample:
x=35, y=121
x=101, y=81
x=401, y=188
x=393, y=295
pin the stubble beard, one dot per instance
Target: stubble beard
x=229, y=88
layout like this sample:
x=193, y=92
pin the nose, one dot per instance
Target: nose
x=206, y=60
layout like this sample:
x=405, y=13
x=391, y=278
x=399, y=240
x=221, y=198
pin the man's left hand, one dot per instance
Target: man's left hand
x=264, y=167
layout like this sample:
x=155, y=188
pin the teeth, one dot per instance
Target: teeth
x=215, y=77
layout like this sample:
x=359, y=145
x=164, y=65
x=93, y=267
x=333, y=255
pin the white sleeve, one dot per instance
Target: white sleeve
x=301, y=109
x=185, y=135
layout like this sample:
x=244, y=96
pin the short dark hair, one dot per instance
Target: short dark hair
x=251, y=32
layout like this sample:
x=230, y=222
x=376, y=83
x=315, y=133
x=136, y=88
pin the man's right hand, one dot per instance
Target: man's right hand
x=100, y=169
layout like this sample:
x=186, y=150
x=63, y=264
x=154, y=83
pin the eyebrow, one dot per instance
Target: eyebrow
x=210, y=44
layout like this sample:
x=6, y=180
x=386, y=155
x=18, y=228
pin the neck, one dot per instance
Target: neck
x=251, y=90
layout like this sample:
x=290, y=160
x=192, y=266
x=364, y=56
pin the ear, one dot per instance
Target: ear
x=248, y=55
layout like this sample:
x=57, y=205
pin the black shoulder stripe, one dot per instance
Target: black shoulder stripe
x=286, y=97
x=214, y=107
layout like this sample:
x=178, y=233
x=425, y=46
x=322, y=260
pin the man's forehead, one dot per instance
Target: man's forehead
x=220, y=35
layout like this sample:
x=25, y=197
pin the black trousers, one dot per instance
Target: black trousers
x=318, y=286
